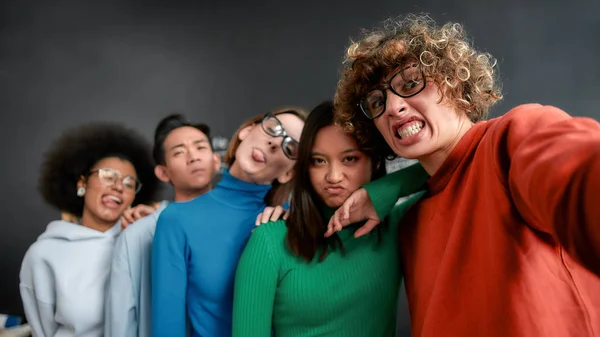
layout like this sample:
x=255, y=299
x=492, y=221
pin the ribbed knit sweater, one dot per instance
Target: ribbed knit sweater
x=346, y=295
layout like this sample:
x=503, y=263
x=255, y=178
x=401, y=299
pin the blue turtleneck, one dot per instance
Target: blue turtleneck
x=195, y=253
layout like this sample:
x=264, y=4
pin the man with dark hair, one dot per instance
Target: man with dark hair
x=185, y=159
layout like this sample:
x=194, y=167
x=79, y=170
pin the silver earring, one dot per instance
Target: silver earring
x=80, y=192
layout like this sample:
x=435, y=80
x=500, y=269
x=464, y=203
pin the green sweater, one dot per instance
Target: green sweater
x=351, y=294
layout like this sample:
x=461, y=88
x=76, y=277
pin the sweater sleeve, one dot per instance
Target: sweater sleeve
x=255, y=285
x=386, y=191
x=120, y=310
x=402, y=207
x=554, y=176
x=37, y=288
x=169, y=276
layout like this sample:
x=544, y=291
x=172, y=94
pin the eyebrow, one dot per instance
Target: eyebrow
x=343, y=152
x=195, y=142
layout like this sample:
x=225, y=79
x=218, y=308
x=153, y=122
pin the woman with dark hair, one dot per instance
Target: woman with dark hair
x=293, y=279
x=198, y=243
x=93, y=172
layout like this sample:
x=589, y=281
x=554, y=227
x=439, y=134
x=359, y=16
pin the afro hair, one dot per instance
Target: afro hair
x=77, y=150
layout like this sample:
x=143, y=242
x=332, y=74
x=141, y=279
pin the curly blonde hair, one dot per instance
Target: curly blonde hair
x=467, y=79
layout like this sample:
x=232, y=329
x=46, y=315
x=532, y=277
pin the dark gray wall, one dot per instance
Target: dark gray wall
x=62, y=64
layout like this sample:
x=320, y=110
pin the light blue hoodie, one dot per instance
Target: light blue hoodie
x=63, y=280
x=128, y=296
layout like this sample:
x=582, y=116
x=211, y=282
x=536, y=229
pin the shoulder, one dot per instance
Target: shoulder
x=36, y=259
x=37, y=251
x=269, y=236
x=267, y=243
x=272, y=230
x=532, y=116
x=135, y=236
x=171, y=213
x=43, y=244
x=141, y=227
x=535, y=111
x=181, y=209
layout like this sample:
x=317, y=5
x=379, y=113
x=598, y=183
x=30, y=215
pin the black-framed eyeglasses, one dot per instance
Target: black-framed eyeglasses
x=273, y=127
x=407, y=82
x=109, y=178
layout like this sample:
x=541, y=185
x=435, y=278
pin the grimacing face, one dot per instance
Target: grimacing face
x=421, y=126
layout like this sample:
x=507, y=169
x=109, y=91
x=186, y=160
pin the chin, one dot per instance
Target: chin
x=109, y=215
x=413, y=152
x=198, y=185
x=334, y=202
x=249, y=166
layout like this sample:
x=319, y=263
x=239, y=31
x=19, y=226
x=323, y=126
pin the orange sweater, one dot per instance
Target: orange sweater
x=506, y=240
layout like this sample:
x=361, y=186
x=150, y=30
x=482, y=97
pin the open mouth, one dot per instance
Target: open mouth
x=409, y=129
x=111, y=200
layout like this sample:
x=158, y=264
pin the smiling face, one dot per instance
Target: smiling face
x=260, y=157
x=103, y=204
x=337, y=167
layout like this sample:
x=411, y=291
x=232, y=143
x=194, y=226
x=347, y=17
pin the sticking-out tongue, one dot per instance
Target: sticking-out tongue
x=258, y=156
x=111, y=201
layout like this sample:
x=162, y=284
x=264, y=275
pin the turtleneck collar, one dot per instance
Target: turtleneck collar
x=238, y=192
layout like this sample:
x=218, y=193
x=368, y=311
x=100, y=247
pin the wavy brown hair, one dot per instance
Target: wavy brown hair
x=279, y=193
x=467, y=78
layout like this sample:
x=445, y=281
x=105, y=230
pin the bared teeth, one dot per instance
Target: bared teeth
x=410, y=129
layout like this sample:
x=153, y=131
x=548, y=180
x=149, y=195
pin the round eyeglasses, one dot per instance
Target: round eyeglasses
x=273, y=127
x=109, y=178
x=407, y=82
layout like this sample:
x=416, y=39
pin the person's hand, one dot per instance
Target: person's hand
x=135, y=213
x=65, y=216
x=272, y=214
x=357, y=207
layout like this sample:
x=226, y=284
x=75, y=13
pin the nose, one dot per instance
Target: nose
x=334, y=174
x=272, y=145
x=193, y=155
x=118, y=185
x=394, y=104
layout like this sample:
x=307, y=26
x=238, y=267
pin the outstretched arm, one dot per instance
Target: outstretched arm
x=554, y=177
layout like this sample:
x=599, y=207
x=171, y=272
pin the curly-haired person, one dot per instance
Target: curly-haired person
x=93, y=172
x=506, y=239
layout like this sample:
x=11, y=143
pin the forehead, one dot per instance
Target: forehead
x=184, y=134
x=121, y=165
x=332, y=140
x=293, y=124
